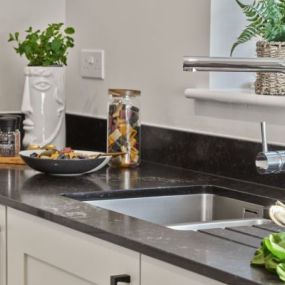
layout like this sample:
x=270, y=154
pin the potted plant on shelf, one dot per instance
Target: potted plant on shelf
x=266, y=21
x=43, y=101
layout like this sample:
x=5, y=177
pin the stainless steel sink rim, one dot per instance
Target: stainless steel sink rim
x=188, y=211
x=219, y=224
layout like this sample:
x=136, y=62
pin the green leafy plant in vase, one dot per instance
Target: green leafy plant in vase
x=45, y=48
x=43, y=100
x=266, y=20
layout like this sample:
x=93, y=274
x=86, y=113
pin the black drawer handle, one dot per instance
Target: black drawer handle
x=115, y=279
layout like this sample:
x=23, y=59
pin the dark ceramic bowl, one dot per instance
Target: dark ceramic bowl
x=64, y=167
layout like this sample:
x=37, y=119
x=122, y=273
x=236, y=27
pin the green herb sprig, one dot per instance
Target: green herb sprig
x=271, y=254
x=266, y=19
x=47, y=47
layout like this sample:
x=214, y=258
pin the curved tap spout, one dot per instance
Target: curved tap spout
x=231, y=64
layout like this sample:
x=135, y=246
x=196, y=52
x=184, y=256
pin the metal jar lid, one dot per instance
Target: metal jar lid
x=19, y=119
x=124, y=92
x=8, y=124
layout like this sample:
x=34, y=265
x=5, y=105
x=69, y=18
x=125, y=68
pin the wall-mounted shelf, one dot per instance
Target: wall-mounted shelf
x=235, y=96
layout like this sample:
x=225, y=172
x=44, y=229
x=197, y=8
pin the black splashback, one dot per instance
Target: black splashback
x=217, y=155
x=86, y=133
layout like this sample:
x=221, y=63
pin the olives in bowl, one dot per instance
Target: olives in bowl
x=64, y=162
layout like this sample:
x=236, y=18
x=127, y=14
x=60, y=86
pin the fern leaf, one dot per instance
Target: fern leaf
x=255, y=11
x=281, y=6
x=264, y=16
x=247, y=34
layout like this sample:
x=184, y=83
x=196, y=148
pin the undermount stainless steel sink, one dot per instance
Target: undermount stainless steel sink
x=188, y=212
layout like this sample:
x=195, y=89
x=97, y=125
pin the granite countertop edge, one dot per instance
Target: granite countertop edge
x=56, y=208
x=151, y=251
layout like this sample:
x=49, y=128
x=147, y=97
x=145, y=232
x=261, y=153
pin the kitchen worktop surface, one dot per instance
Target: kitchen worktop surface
x=220, y=254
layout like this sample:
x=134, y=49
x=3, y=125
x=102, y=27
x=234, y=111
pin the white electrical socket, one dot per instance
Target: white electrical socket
x=92, y=64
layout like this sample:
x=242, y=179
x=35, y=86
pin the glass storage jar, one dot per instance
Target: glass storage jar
x=8, y=136
x=18, y=133
x=124, y=129
x=18, y=128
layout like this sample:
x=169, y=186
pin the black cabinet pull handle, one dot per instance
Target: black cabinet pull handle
x=115, y=279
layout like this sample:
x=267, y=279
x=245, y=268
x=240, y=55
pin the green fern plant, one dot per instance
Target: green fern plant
x=266, y=20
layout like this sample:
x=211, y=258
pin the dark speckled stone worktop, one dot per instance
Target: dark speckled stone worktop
x=220, y=254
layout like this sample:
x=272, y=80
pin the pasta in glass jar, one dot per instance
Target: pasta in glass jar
x=124, y=129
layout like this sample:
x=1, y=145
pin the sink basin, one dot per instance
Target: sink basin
x=188, y=211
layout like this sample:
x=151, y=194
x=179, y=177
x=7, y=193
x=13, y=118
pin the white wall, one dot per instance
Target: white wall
x=17, y=15
x=242, y=121
x=224, y=32
x=144, y=43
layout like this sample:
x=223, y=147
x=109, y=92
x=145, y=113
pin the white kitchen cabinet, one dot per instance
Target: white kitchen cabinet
x=2, y=245
x=45, y=253
x=156, y=272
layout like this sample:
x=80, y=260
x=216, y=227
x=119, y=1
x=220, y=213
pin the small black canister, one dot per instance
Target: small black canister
x=8, y=136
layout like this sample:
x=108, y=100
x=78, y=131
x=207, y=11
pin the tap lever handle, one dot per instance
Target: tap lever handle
x=263, y=137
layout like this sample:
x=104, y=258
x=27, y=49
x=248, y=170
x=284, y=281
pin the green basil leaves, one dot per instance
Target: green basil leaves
x=271, y=254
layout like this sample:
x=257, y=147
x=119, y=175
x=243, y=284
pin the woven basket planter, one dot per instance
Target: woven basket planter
x=270, y=83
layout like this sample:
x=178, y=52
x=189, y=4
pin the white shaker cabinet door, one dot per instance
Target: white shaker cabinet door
x=156, y=272
x=45, y=253
x=2, y=245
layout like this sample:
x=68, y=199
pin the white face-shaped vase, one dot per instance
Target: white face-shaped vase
x=44, y=106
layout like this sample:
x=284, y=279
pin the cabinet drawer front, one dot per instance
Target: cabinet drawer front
x=156, y=272
x=42, y=252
